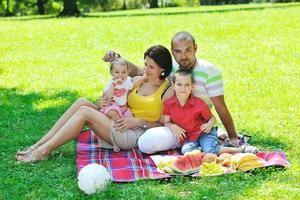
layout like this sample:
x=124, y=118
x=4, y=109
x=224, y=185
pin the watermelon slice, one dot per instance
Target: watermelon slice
x=189, y=163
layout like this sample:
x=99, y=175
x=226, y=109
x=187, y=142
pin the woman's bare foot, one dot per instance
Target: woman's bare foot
x=26, y=151
x=34, y=156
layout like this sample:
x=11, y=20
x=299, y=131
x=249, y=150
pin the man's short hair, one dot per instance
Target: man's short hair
x=183, y=36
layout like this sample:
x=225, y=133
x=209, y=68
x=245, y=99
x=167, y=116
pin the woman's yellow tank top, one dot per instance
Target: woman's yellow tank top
x=147, y=107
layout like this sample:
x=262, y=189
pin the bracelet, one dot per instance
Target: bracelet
x=144, y=125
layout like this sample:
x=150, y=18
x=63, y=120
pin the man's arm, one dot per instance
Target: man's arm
x=134, y=70
x=225, y=117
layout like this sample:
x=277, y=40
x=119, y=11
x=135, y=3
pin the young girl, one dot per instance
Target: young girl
x=191, y=121
x=116, y=90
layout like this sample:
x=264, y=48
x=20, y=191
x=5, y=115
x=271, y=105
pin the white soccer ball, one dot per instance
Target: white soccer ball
x=93, y=178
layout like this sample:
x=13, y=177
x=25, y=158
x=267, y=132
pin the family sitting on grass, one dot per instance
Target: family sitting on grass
x=133, y=111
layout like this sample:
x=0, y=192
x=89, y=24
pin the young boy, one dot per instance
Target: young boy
x=191, y=120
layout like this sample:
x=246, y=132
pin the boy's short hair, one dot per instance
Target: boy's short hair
x=118, y=61
x=183, y=72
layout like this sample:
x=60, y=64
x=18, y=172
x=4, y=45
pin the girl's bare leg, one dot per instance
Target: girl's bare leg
x=114, y=115
x=59, y=124
x=99, y=122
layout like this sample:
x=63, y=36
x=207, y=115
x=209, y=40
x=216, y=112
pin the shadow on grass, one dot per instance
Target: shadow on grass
x=111, y=14
x=22, y=122
x=229, y=186
x=266, y=142
x=192, y=12
x=28, y=18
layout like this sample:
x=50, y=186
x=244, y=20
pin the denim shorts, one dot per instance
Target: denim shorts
x=207, y=143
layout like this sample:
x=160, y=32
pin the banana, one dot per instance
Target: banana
x=251, y=162
x=250, y=165
x=239, y=158
x=245, y=161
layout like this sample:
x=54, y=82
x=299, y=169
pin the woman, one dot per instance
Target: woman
x=145, y=102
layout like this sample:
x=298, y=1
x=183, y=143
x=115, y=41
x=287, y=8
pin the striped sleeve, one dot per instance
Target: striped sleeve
x=214, y=82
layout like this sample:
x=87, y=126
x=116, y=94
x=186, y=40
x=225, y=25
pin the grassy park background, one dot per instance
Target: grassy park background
x=47, y=63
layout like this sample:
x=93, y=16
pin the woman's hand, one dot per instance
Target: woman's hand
x=178, y=131
x=126, y=123
x=103, y=102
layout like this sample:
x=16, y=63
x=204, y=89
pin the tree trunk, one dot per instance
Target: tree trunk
x=124, y=5
x=153, y=3
x=7, y=12
x=70, y=8
x=40, y=5
x=135, y=3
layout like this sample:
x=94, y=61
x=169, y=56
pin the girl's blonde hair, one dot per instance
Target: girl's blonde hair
x=118, y=61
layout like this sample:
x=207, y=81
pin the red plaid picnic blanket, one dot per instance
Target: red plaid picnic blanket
x=132, y=165
x=124, y=166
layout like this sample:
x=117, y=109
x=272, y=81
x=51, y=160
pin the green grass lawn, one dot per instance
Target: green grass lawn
x=46, y=64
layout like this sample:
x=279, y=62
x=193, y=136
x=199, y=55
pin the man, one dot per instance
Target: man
x=209, y=84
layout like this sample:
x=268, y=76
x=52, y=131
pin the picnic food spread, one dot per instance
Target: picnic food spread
x=210, y=164
x=183, y=164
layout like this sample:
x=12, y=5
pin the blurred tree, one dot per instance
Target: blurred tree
x=41, y=8
x=104, y=4
x=40, y=5
x=7, y=10
x=135, y=4
x=153, y=3
x=70, y=8
x=124, y=5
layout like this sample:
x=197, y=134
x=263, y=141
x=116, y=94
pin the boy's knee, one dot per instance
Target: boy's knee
x=211, y=149
x=210, y=143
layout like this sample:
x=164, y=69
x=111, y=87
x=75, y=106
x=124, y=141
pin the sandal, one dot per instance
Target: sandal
x=31, y=157
x=25, y=151
x=250, y=149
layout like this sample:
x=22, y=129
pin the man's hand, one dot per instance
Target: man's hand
x=234, y=141
x=178, y=131
x=110, y=56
